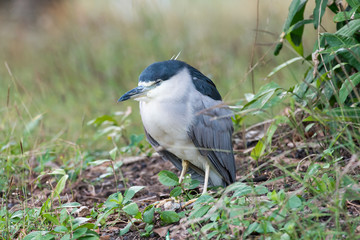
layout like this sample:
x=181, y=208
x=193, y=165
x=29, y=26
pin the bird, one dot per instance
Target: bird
x=186, y=121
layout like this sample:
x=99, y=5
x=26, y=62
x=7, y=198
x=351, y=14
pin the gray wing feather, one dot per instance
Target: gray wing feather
x=211, y=132
x=195, y=172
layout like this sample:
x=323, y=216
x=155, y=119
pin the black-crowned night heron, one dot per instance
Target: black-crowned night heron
x=186, y=121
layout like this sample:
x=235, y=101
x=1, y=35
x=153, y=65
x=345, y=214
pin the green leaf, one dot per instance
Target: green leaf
x=136, y=139
x=319, y=11
x=64, y=216
x=33, y=124
x=208, y=226
x=264, y=98
x=335, y=40
x=148, y=230
x=321, y=186
x=301, y=89
x=265, y=227
x=175, y=192
x=339, y=49
x=99, y=162
x=298, y=48
x=194, y=183
x=294, y=202
x=169, y=217
x=347, y=86
x=296, y=10
x=70, y=205
x=308, y=127
x=346, y=15
x=283, y=65
x=205, y=198
x=131, y=192
x=168, y=178
x=148, y=214
x=17, y=215
x=87, y=226
x=285, y=236
x=79, y=232
x=258, y=150
x=66, y=237
x=349, y=29
x=125, y=229
x=298, y=25
x=104, y=215
x=270, y=133
x=58, y=171
x=60, y=229
x=90, y=235
x=294, y=36
x=251, y=228
x=267, y=88
x=259, y=190
x=61, y=185
x=114, y=200
x=113, y=153
x=77, y=222
x=51, y=218
x=38, y=235
x=312, y=170
x=199, y=212
x=100, y=120
x=131, y=209
x=351, y=114
x=352, y=3
x=240, y=189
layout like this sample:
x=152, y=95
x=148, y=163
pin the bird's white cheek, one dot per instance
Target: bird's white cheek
x=142, y=99
x=158, y=93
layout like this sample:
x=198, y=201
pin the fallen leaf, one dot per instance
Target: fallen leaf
x=162, y=231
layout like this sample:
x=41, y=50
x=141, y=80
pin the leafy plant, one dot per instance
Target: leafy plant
x=170, y=179
x=332, y=78
x=115, y=130
x=53, y=220
x=110, y=126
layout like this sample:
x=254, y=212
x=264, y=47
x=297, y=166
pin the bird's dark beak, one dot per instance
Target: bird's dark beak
x=134, y=93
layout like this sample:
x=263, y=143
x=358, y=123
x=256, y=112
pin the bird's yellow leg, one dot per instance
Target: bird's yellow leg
x=206, y=180
x=185, y=166
x=206, y=183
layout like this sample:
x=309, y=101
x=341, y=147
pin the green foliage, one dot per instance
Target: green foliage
x=115, y=130
x=169, y=216
x=123, y=205
x=332, y=77
x=53, y=220
x=170, y=179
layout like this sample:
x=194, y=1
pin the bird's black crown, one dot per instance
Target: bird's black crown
x=167, y=69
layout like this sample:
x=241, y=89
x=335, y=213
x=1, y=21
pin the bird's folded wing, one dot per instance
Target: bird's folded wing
x=211, y=132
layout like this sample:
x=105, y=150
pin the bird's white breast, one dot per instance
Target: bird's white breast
x=167, y=115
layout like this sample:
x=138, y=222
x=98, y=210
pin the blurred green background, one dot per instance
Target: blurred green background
x=69, y=61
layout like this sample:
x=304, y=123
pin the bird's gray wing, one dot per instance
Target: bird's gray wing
x=195, y=172
x=211, y=133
